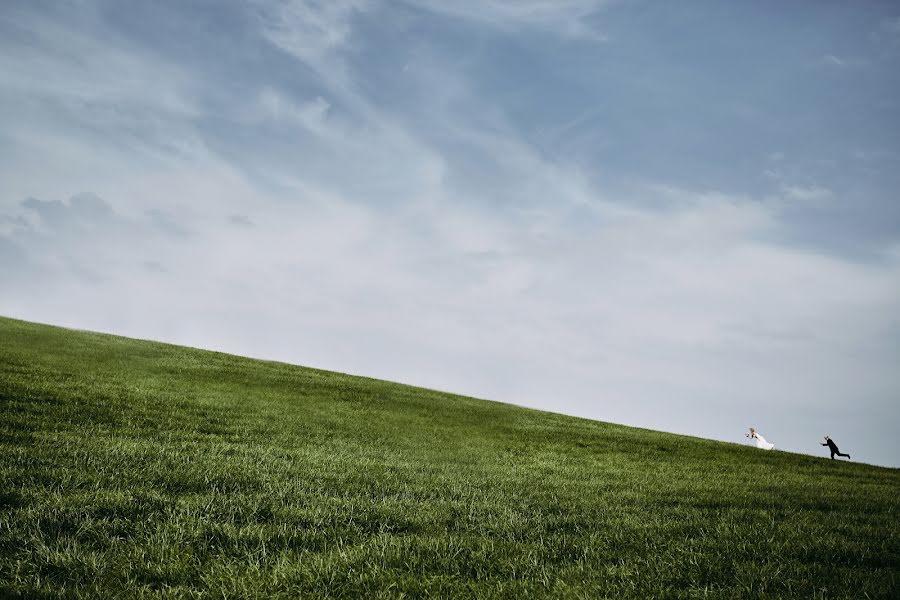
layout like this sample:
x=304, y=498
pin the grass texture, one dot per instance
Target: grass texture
x=137, y=469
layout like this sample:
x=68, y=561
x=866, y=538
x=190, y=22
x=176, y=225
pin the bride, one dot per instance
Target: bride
x=760, y=440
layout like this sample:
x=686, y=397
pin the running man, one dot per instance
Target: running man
x=833, y=447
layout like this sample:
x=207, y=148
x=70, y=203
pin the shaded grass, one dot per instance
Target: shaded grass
x=144, y=469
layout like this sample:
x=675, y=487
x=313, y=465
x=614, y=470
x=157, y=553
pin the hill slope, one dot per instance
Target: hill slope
x=137, y=467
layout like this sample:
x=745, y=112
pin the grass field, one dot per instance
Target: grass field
x=133, y=468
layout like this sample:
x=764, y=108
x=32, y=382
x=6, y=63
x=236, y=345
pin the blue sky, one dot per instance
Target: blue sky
x=681, y=216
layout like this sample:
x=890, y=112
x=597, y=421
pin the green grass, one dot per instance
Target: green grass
x=143, y=469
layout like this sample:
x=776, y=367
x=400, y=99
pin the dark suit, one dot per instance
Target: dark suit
x=834, y=449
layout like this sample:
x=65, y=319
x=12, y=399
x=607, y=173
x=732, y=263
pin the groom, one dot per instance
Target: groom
x=833, y=447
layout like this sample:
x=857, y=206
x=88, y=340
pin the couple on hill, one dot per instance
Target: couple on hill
x=762, y=443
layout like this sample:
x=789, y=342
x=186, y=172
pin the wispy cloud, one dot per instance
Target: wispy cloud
x=805, y=193
x=241, y=221
x=309, y=29
x=845, y=61
x=565, y=17
x=93, y=78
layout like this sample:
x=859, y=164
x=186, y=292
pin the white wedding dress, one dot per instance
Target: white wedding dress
x=762, y=443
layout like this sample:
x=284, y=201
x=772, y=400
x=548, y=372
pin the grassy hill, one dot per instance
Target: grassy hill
x=137, y=468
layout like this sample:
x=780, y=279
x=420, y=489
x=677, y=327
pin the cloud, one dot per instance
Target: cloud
x=313, y=30
x=82, y=238
x=805, y=193
x=81, y=210
x=844, y=61
x=309, y=115
x=153, y=266
x=240, y=221
x=309, y=29
x=14, y=262
x=89, y=80
x=565, y=17
x=165, y=223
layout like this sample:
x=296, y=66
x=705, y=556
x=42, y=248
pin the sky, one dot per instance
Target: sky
x=681, y=216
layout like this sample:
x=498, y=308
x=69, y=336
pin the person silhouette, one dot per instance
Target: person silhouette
x=833, y=447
